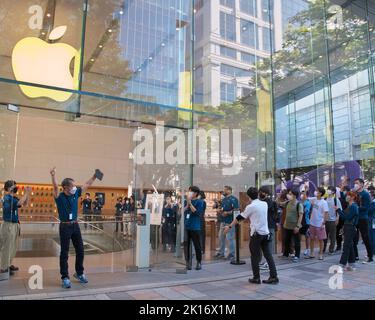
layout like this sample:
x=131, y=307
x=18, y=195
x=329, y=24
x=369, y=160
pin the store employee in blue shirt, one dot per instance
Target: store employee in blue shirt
x=194, y=207
x=67, y=207
x=10, y=229
x=229, y=204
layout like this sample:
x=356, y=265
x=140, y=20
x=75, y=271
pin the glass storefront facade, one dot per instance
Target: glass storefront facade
x=285, y=88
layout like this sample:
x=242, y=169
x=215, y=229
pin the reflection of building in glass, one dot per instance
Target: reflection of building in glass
x=231, y=36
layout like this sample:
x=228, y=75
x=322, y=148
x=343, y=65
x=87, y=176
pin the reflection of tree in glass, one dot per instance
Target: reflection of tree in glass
x=304, y=46
x=106, y=69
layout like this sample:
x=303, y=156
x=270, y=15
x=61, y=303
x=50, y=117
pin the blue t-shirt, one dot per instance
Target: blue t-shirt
x=10, y=208
x=350, y=214
x=228, y=204
x=67, y=205
x=306, y=210
x=365, y=202
x=193, y=220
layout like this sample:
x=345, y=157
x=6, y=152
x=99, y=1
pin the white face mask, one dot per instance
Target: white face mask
x=191, y=194
x=73, y=190
x=356, y=187
x=329, y=192
x=289, y=197
x=316, y=193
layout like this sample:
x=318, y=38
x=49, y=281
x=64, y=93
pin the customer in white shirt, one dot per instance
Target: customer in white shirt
x=257, y=212
x=319, y=216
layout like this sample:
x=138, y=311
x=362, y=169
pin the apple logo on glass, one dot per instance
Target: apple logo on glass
x=37, y=61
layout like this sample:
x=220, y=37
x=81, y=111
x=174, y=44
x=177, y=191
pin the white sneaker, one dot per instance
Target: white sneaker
x=350, y=268
x=368, y=261
x=263, y=266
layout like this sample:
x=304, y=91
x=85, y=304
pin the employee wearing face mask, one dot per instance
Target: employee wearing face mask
x=229, y=204
x=67, y=207
x=364, y=203
x=193, y=210
x=10, y=229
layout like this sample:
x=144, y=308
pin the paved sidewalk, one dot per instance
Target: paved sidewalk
x=305, y=280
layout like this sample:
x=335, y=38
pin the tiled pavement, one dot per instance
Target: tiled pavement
x=306, y=280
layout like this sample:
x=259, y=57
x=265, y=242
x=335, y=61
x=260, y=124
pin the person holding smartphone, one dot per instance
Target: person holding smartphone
x=67, y=207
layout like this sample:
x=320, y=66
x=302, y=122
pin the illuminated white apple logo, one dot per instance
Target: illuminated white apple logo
x=37, y=61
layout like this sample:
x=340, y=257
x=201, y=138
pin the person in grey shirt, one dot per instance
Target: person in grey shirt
x=334, y=204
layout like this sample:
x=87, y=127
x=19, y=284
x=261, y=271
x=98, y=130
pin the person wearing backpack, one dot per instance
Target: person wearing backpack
x=272, y=220
x=293, y=224
x=306, y=220
x=333, y=219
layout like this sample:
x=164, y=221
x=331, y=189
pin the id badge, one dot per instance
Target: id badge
x=167, y=215
x=373, y=223
x=70, y=216
x=188, y=216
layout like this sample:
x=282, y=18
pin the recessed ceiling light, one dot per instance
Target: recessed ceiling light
x=150, y=58
x=177, y=28
x=163, y=44
x=121, y=12
x=92, y=60
x=110, y=30
x=43, y=33
x=48, y=15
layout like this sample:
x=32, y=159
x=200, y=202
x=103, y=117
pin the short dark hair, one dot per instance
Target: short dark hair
x=228, y=187
x=294, y=192
x=332, y=188
x=252, y=192
x=265, y=190
x=9, y=184
x=195, y=189
x=88, y=194
x=371, y=188
x=67, y=182
x=322, y=191
x=360, y=180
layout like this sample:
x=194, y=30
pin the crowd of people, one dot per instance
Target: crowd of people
x=331, y=219
x=328, y=218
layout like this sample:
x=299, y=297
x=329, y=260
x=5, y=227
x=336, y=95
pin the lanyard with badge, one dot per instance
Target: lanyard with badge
x=70, y=210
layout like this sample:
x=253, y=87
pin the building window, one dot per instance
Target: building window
x=227, y=3
x=233, y=71
x=266, y=39
x=248, y=58
x=227, y=26
x=228, y=52
x=249, y=35
x=227, y=92
x=267, y=6
x=249, y=7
